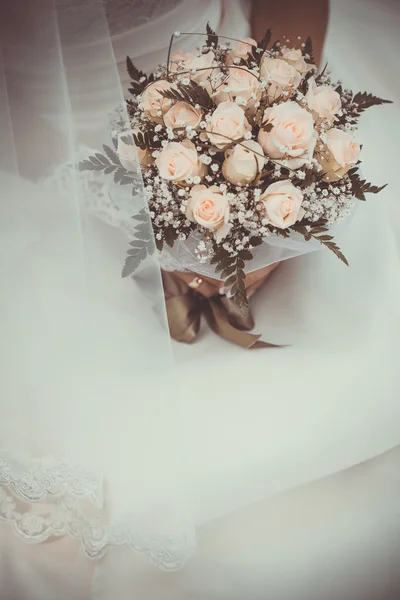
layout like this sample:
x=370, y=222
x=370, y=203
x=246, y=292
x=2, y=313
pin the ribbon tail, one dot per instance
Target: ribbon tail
x=218, y=320
x=183, y=318
x=183, y=311
x=236, y=317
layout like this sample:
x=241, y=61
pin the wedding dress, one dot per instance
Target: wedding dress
x=255, y=424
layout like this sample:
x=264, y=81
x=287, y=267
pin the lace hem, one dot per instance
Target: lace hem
x=45, y=500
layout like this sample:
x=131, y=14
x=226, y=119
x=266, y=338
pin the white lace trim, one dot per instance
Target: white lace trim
x=42, y=501
x=48, y=480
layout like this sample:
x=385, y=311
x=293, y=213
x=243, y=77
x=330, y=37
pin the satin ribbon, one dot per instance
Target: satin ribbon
x=185, y=307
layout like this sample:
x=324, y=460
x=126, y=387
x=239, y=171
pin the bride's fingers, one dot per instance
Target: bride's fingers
x=202, y=285
x=209, y=287
x=256, y=279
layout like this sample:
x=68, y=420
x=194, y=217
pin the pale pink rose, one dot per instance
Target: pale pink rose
x=292, y=137
x=241, y=50
x=240, y=83
x=280, y=75
x=341, y=154
x=179, y=61
x=182, y=114
x=282, y=203
x=203, y=65
x=152, y=102
x=228, y=123
x=209, y=208
x=323, y=100
x=178, y=161
x=296, y=59
x=129, y=154
x=243, y=162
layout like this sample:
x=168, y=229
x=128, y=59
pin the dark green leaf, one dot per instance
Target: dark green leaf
x=87, y=165
x=109, y=170
x=119, y=174
x=231, y=280
x=112, y=155
x=127, y=139
x=130, y=266
x=267, y=127
x=365, y=100
x=336, y=250
x=212, y=37
x=320, y=75
x=133, y=71
x=308, y=51
x=102, y=159
x=245, y=255
x=263, y=43
x=142, y=216
x=159, y=244
x=360, y=187
x=228, y=271
x=220, y=254
x=170, y=236
x=192, y=93
x=234, y=289
x=256, y=241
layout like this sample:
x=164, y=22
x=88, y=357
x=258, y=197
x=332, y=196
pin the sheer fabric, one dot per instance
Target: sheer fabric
x=90, y=414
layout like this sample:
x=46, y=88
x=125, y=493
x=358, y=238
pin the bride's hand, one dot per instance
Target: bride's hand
x=209, y=287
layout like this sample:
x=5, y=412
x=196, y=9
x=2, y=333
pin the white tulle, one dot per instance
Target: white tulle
x=87, y=376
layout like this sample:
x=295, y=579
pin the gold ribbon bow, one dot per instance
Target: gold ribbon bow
x=185, y=307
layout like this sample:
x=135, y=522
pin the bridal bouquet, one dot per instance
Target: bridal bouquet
x=237, y=143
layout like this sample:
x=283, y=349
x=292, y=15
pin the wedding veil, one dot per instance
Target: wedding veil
x=91, y=439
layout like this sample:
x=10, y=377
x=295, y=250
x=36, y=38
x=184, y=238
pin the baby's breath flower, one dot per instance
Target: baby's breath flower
x=240, y=101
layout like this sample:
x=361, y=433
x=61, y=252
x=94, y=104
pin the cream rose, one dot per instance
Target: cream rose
x=243, y=162
x=179, y=61
x=153, y=103
x=178, y=161
x=296, y=59
x=209, y=207
x=280, y=75
x=203, y=65
x=341, y=153
x=292, y=136
x=240, y=82
x=323, y=100
x=282, y=203
x=228, y=122
x=128, y=153
x=241, y=50
x=182, y=114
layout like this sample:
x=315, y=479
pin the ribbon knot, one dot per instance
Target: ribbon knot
x=185, y=307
